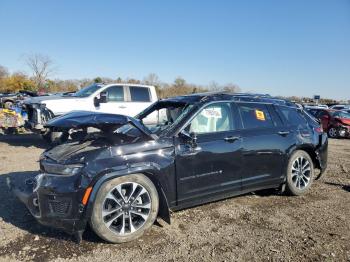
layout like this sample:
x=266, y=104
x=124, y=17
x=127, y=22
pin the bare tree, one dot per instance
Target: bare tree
x=232, y=88
x=41, y=66
x=151, y=79
x=3, y=72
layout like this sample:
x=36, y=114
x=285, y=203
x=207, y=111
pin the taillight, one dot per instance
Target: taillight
x=318, y=129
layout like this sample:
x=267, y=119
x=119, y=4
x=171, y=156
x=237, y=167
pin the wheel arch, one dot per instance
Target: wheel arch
x=163, y=212
x=311, y=152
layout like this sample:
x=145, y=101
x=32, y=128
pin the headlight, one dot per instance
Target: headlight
x=71, y=169
x=54, y=168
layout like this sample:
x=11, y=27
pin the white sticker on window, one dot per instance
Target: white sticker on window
x=212, y=112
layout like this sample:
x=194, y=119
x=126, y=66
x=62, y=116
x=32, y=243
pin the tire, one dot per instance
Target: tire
x=333, y=132
x=8, y=104
x=109, y=226
x=55, y=138
x=299, y=180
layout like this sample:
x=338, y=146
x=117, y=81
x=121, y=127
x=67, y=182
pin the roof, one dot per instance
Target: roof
x=213, y=96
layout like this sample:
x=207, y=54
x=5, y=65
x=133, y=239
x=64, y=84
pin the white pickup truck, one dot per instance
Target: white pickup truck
x=118, y=98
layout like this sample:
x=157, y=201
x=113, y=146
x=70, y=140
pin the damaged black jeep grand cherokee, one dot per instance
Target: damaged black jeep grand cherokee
x=119, y=173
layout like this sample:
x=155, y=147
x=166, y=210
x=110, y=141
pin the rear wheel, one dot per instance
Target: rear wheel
x=333, y=132
x=124, y=208
x=300, y=173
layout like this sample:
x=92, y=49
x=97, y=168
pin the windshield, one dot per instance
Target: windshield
x=341, y=114
x=159, y=117
x=88, y=90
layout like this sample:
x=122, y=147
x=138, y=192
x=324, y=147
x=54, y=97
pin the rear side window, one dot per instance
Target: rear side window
x=115, y=93
x=293, y=116
x=255, y=116
x=139, y=94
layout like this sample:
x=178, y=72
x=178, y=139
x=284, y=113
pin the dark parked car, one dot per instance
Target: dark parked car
x=119, y=173
x=336, y=123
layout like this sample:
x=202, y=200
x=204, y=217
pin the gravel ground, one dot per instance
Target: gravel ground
x=254, y=227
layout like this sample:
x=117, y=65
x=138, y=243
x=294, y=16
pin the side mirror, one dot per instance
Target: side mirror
x=190, y=138
x=101, y=99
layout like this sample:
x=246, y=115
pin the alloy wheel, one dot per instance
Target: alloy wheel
x=332, y=132
x=301, y=172
x=126, y=208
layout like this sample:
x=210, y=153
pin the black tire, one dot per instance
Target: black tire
x=97, y=222
x=292, y=186
x=8, y=104
x=333, y=132
x=55, y=138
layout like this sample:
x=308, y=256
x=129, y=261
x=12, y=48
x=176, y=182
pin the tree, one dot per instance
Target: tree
x=232, y=88
x=98, y=80
x=179, y=82
x=41, y=66
x=17, y=81
x=3, y=72
x=151, y=79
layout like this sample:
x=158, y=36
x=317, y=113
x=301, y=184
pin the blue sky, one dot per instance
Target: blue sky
x=279, y=47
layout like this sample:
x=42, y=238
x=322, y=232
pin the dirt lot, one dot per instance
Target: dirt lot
x=261, y=226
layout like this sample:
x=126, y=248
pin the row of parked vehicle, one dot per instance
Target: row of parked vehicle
x=118, y=173
x=334, y=120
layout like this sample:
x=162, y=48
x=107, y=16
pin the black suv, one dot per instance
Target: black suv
x=119, y=173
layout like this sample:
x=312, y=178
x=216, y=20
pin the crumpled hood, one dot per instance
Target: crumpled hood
x=64, y=151
x=84, y=119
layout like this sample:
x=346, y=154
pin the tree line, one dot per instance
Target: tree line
x=41, y=80
x=43, y=68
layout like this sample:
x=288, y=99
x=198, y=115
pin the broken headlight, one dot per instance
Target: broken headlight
x=71, y=169
x=68, y=170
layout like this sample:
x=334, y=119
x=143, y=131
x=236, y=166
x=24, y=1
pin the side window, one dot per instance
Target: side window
x=213, y=118
x=293, y=116
x=115, y=93
x=255, y=116
x=139, y=94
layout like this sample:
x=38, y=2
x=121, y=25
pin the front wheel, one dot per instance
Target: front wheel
x=333, y=132
x=300, y=173
x=124, y=208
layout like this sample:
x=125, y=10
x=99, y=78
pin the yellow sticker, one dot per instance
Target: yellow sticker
x=259, y=115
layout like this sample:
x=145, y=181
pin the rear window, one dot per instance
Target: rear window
x=139, y=94
x=293, y=116
x=255, y=115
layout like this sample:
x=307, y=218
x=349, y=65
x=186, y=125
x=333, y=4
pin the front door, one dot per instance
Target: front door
x=116, y=101
x=212, y=164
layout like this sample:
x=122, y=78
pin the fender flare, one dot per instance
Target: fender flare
x=163, y=212
x=313, y=154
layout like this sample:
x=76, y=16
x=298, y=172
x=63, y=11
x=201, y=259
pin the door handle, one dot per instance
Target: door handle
x=121, y=106
x=283, y=133
x=231, y=139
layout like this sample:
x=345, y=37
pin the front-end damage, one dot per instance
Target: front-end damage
x=38, y=116
x=55, y=195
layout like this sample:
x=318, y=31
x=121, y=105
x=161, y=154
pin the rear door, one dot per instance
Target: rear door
x=139, y=98
x=265, y=142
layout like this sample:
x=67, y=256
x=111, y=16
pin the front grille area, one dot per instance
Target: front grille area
x=60, y=207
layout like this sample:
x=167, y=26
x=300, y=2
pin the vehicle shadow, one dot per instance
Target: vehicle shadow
x=14, y=212
x=342, y=186
x=26, y=140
